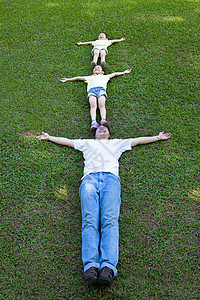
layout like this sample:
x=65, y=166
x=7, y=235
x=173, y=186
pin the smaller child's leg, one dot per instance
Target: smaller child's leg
x=102, y=108
x=96, y=56
x=93, y=107
x=103, y=57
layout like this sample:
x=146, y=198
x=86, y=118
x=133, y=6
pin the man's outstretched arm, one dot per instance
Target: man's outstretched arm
x=150, y=139
x=57, y=140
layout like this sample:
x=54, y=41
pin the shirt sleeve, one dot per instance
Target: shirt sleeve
x=79, y=144
x=86, y=78
x=94, y=43
x=122, y=145
x=107, y=77
x=109, y=43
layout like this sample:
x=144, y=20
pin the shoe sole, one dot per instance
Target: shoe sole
x=93, y=128
x=103, y=65
x=104, y=123
x=93, y=64
x=91, y=280
x=105, y=280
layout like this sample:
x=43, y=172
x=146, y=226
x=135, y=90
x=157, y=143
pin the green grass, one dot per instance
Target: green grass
x=40, y=208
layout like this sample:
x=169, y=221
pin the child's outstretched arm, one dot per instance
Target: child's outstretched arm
x=72, y=79
x=117, y=41
x=119, y=73
x=57, y=140
x=84, y=43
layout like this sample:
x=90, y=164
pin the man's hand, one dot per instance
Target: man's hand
x=57, y=140
x=44, y=136
x=79, y=43
x=123, y=39
x=164, y=136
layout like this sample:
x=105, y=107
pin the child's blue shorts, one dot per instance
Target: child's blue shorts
x=97, y=92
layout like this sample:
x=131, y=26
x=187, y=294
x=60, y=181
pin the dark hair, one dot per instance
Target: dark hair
x=105, y=34
x=103, y=69
x=108, y=128
x=94, y=131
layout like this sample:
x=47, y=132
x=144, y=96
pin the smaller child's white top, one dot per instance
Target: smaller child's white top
x=101, y=43
x=97, y=80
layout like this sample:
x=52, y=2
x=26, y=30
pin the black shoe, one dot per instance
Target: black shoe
x=91, y=276
x=103, y=65
x=93, y=64
x=106, y=276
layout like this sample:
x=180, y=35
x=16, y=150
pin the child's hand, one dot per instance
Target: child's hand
x=44, y=136
x=164, y=136
x=123, y=39
x=79, y=43
x=63, y=79
x=127, y=71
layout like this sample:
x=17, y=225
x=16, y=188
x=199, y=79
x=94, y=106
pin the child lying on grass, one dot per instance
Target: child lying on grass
x=96, y=88
x=100, y=48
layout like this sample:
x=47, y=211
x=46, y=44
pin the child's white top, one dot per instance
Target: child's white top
x=101, y=43
x=98, y=80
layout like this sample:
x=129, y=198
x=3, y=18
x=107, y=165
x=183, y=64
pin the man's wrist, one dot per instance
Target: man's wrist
x=158, y=138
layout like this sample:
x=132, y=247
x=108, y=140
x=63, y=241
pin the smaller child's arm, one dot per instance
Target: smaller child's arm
x=84, y=43
x=119, y=73
x=117, y=41
x=72, y=79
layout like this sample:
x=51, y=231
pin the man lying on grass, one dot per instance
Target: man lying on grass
x=100, y=199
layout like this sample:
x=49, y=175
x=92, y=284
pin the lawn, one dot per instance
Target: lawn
x=40, y=206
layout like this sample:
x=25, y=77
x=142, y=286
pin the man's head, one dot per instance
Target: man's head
x=98, y=70
x=102, y=133
x=102, y=36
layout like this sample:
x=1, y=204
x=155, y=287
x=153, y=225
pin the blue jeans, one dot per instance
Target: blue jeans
x=100, y=205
